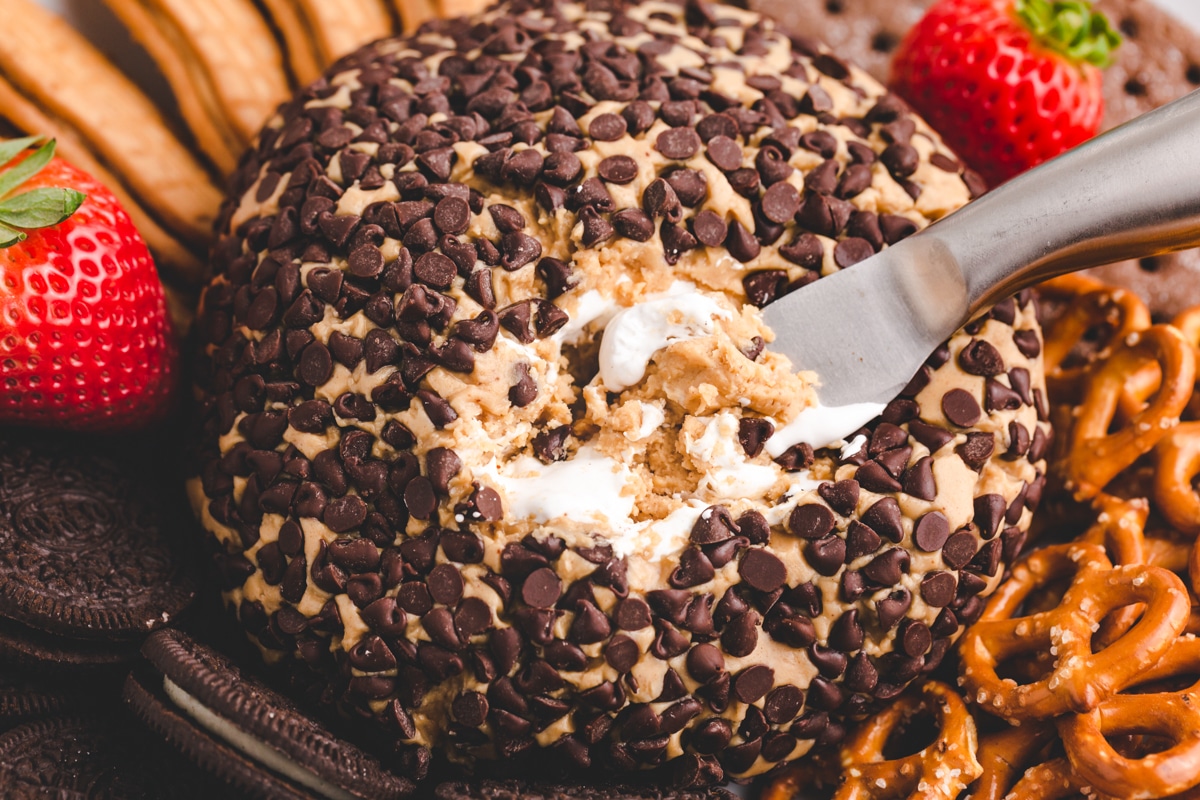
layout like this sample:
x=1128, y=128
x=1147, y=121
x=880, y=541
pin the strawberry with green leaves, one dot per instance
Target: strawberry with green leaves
x=1007, y=83
x=85, y=341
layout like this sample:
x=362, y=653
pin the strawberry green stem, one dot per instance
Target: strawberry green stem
x=1070, y=27
x=39, y=208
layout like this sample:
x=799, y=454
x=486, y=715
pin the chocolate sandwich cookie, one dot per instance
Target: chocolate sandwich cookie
x=92, y=556
x=490, y=444
x=249, y=736
x=23, y=698
x=529, y=790
x=101, y=757
x=1158, y=61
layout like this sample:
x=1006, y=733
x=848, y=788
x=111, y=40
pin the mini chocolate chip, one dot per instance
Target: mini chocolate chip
x=826, y=555
x=709, y=228
x=470, y=709
x=811, y=521
x=918, y=479
x=854, y=181
x=901, y=159
x=841, y=496
x=518, y=249
x=931, y=531
x=445, y=584
x=436, y=408
x=741, y=243
x=764, y=286
x=961, y=408
x=977, y=449
x=725, y=153
x=931, y=436
x=959, y=549
x=525, y=390
x=753, y=433
x=783, y=704
x=639, y=116
x=596, y=229
x=435, y=270
x=691, y=187
x=998, y=397
x=607, y=127
x=316, y=365
x=820, y=142
x=712, y=736
x=633, y=223
x=660, y=200
x=541, y=589
x=452, y=215
x=981, y=357
x=561, y=169
x=622, y=653
x=762, y=570
x=852, y=250
x=590, y=624
x=846, y=634
x=632, y=614
x=989, y=511
x=618, y=169
x=705, y=662
x=938, y=588
x=780, y=202
x=1019, y=380
x=875, y=478
x=1028, y=343
x=745, y=181
x=740, y=636
x=804, y=250
x=825, y=215
x=678, y=143
x=860, y=541
x=693, y=569
x=987, y=560
x=892, y=608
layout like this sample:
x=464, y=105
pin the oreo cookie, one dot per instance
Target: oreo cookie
x=90, y=556
x=23, y=699
x=101, y=757
x=251, y=737
x=522, y=790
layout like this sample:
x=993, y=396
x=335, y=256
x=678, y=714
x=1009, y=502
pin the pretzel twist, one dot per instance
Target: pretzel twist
x=1097, y=456
x=1178, y=457
x=1004, y=755
x=1174, y=716
x=1091, y=304
x=1120, y=530
x=1080, y=679
x=941, y=770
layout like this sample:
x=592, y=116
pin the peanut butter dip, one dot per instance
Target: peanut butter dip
x=492, y=445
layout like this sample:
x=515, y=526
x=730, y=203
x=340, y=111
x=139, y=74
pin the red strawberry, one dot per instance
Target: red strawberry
x=1008, y=83
x=85, y=342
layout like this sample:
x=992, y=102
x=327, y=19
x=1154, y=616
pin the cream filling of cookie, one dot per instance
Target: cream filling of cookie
x=254, y=749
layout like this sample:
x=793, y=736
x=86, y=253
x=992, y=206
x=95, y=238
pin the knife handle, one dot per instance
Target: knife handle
x=1129, y=193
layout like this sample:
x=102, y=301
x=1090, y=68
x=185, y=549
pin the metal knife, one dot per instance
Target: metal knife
x=1129, y=193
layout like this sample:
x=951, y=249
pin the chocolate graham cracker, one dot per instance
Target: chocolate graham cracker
x=1158, y=61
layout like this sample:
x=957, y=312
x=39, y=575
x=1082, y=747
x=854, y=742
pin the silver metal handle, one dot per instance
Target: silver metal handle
x=1131, y=192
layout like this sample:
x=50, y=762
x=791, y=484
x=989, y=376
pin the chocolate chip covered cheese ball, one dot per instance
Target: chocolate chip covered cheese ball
x=492, y=448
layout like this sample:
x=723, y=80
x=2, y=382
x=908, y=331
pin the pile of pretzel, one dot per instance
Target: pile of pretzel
x=228, y=64
x=1082, y=677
